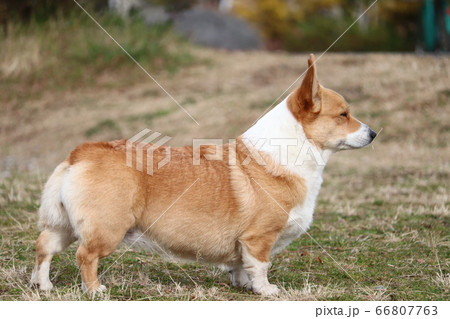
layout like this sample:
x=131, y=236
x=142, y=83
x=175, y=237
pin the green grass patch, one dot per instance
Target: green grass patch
x=72, y=51
x=148, y=117
x=106, y=125
x=261, y=105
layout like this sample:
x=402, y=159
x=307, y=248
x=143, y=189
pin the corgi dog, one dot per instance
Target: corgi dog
x=231, y=213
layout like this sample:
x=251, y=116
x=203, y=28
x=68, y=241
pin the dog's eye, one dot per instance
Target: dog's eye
x=344, y=114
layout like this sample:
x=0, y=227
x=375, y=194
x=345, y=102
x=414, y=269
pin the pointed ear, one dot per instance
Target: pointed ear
x=308, y=94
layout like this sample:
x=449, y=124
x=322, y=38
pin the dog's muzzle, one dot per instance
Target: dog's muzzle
x=362, y=137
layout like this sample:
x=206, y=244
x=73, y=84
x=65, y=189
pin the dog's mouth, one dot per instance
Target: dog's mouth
x=354, y=144
x=343, y=145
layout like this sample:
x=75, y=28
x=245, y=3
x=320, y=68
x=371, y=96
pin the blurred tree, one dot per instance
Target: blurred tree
x=271, y=17
x=285, y=20
x=275, y=17
x=403, y=15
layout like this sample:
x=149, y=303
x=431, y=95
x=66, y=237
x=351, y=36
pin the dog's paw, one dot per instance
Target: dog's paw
x=100, y=289
x=240, y=279
x=267, y=290
x=246, y=284
x=46, y=285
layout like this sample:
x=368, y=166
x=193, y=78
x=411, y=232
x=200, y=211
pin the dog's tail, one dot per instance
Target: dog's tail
x=52, y=213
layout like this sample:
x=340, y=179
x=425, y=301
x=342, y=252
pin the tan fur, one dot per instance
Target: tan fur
x=206, y=223
x=224, y=216
x=209, y=223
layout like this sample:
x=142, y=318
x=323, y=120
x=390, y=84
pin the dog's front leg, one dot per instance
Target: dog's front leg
x=257, y=273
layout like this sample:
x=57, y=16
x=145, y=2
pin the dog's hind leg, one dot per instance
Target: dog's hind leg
x=239, y=277
x=99, y=243
x=50, y=242
x=88, y=258
x=57, y=232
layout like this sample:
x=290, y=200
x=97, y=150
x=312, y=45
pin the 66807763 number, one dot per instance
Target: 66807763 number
x=406, y=310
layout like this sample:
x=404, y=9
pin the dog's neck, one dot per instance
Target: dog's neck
x=282, y=137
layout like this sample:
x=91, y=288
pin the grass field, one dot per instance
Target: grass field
x=382, y=219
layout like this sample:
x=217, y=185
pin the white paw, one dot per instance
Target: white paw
x=34, y=279
x=99, y=289
x=46, y=285
x=267, y=290
x=242, y=284
x=240, y=279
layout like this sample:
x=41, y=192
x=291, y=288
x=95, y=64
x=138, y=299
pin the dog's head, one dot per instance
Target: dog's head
x=325, y=115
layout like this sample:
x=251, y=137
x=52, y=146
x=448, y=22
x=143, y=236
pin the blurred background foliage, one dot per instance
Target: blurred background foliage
x=292, y=25
x=54, y=44
x=300, y=25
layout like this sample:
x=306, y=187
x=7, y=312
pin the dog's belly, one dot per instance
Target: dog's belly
x=136, y=240
x=300, y=218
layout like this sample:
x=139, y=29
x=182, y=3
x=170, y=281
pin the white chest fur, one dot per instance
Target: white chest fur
x=300, y=217
x=281, y=136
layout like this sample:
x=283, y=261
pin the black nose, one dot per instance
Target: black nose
x=372, y=134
